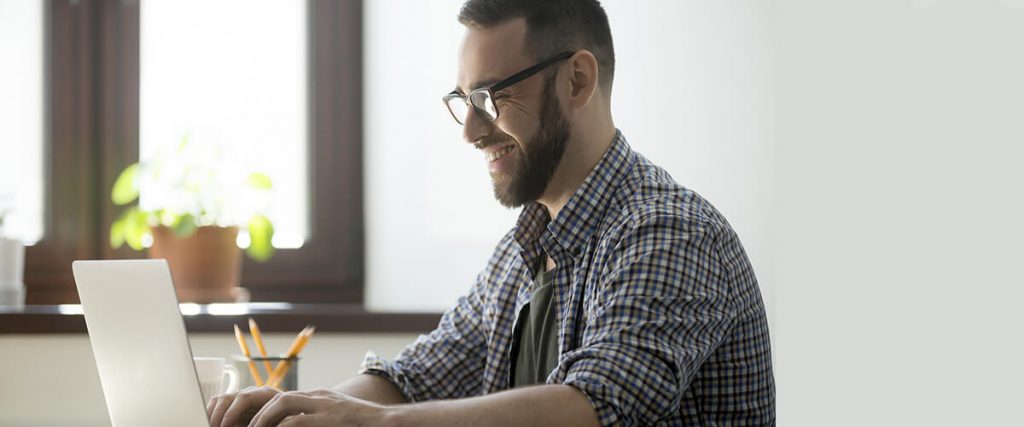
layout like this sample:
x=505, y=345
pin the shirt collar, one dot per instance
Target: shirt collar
x=581, y=214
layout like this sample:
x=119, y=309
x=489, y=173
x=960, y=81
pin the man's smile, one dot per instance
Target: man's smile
x=498, y=152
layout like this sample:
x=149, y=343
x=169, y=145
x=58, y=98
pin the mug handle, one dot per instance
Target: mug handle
x=231, y=372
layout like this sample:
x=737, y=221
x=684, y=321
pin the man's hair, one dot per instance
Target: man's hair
x=552, y=27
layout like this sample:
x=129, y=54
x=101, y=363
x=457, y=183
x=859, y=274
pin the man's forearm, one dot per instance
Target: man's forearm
x=543, y=405
x=373, y=388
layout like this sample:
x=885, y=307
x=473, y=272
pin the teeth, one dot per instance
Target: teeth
x=499, y=154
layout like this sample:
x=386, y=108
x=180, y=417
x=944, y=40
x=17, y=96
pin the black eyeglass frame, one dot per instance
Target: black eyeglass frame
x=490, y=90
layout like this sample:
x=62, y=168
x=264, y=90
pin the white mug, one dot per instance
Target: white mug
x=211, y=372
x=12, y=266
x=12, y=263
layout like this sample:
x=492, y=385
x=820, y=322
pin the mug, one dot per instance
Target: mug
x=211, y=372
x=12, y=268
x=290, y=382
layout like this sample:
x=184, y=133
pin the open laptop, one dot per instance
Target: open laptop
x=139, y=342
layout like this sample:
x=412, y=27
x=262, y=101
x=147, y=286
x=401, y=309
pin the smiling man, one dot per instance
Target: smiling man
x=619, y=297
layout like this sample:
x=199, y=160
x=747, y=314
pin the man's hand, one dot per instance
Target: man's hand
x=551, y=404
x=317, y=407
x=231, y=409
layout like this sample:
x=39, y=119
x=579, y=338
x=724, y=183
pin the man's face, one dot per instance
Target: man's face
x=524, y=145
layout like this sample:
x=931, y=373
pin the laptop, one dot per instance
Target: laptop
x=139, y=343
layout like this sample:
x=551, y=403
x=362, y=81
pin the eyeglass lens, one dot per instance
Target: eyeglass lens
x=481, y=101
x=484, y=104
x=458, y=108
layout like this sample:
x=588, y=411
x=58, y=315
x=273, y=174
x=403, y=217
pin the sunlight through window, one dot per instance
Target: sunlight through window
x=231, y=76
x=21, y=120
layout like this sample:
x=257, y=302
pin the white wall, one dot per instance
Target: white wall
x=692, y=92
x=51, y=380
x=900, y=212
x=431, y=221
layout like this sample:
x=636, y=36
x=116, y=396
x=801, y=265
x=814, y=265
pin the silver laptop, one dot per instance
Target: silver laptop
x=139, y=342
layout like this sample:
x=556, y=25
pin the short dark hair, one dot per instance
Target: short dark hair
x=552, y=27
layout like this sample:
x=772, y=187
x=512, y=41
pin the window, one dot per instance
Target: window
x=100, y=102
x=235, y=83
x=21, y=118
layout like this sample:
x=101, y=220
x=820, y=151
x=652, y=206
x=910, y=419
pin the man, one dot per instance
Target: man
x=619, y=297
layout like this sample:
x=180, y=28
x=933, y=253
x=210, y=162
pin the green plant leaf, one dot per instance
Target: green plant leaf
x=261, y=233
x=117, y=231
x=129, y=228
x=184, y=225
x=260, y=181
x=136, y=227
x=126, y=187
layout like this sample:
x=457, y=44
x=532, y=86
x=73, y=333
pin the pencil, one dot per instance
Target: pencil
x=274, y=380
x=257, y=338
x=245, y=351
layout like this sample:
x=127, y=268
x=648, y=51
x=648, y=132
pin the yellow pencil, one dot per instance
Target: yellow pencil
x=245, y=351
x=274, y=380
x=257, y=338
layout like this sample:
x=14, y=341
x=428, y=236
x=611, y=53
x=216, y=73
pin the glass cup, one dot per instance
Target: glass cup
x=290, y=382
x=211, y=372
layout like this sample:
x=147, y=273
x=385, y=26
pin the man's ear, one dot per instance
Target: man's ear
x=583, y=79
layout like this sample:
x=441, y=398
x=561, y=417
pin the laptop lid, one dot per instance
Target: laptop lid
x=138, y=340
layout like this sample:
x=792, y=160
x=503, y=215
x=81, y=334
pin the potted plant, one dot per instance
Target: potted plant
x=12, y=267
x=191, y=203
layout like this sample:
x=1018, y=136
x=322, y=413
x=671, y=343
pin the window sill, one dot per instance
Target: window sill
x=272, y=317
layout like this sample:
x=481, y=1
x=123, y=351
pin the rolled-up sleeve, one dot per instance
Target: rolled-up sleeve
x=448, y=362
x=664, y=306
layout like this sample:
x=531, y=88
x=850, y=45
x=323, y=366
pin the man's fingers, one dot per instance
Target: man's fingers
x=220, y=405
x=298, y=421
x=260, y=415
x=240, y=407
x=281, y=406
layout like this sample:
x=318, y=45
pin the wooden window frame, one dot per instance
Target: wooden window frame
x=92, y=132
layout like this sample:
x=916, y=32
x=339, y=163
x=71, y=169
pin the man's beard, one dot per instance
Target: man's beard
x=534, y=165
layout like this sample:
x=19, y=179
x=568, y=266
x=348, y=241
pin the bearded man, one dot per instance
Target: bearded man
x=619, y=297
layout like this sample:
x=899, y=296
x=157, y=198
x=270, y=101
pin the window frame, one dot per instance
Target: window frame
x=92, y=132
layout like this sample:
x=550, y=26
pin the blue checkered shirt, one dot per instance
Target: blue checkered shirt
x=660, y=317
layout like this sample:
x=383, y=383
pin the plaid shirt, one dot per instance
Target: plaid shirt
x=660, y=317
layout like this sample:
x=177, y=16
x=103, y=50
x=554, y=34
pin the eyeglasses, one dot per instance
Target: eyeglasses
x=482, y=99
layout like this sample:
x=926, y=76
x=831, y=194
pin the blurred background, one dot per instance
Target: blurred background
x=867, y=152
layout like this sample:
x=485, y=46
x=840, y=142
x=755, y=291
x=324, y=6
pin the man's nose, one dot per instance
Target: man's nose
x=476, y=127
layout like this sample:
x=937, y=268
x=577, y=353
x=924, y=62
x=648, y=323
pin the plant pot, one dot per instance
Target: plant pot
x=205, y=266
x=12, y=268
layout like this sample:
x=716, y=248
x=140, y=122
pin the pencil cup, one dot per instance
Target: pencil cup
x=290, y=381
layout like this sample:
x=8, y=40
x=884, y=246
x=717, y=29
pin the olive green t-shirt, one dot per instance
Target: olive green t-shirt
x=535, y=342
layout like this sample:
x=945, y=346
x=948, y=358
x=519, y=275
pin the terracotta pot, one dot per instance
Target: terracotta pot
x=205, y=266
